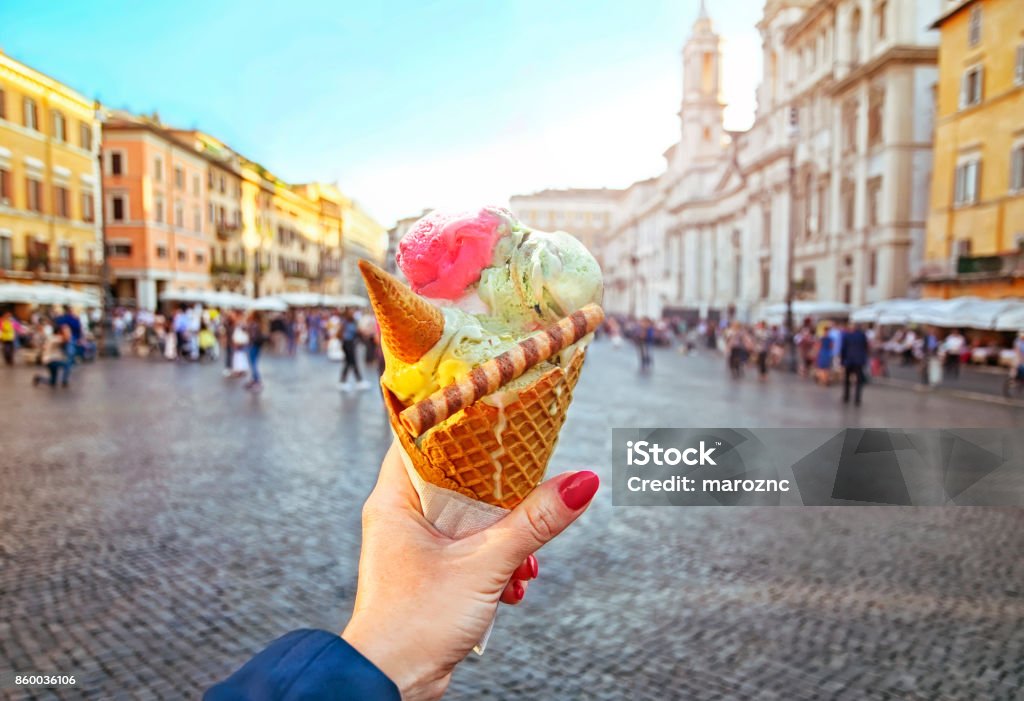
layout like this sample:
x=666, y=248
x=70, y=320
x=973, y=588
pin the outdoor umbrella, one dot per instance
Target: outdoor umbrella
x=268, y=304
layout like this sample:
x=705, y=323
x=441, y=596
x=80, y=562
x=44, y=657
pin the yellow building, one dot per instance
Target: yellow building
x=975, y=239
x=50, y=214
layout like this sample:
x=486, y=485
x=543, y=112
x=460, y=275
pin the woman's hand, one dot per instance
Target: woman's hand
x=424, y=600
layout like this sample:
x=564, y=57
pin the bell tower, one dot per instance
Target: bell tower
x=702, y=108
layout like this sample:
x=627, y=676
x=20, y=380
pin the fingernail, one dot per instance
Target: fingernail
x=518, y=590
x=531, y=562
x=578, y=489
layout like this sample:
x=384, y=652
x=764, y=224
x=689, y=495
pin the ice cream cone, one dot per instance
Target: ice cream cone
x=494, y=453
x=409, y=325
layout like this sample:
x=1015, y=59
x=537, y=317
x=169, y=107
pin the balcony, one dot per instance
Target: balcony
x=1003, y=266
x=42, y=268
x=228, y=270
x=227, y=230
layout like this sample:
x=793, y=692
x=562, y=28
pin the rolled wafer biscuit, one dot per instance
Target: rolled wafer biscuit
x=500, y=370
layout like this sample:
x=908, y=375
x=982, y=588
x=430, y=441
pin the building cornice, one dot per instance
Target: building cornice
x=895, y=54
x=950, y=13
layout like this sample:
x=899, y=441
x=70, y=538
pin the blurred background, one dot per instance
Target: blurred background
x=757, y=178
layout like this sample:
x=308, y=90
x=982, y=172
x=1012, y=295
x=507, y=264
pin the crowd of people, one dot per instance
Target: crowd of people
x=825, y=351
x=59, y=338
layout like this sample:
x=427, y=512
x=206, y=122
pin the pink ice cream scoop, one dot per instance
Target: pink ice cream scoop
x=444, y=252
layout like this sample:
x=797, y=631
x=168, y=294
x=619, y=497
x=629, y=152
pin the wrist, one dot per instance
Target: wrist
x=415, y=681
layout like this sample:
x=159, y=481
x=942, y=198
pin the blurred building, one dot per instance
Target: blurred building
x=223, y=211
x=330, y=202
x=50, y=214
x=155, y=204
x=585, y=213
x=826, y=192
x=362, y=237
x=976, y=226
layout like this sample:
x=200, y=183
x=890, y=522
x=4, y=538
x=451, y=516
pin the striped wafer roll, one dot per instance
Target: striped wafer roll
x=491, y=375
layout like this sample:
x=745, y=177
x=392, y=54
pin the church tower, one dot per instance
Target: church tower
x=702, y=108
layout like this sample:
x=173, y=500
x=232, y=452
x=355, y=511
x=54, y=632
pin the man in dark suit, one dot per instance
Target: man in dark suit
x=854, y=355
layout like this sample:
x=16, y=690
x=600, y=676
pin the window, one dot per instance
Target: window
x=765, y=281
x=972, y=86
x=179, y=214
x=158, y=169
x=182, y=255
x=116, y=163
x=195, y=184
x=117, y=208
x=874, y=200
x=209, y=179
x=88, y=211
x=158, y=209
x=120, y=250
x=876, y=103
x=197, y=220
x=85, y=135
x=822, y=207
x=179, y=178
x=1017, y=168
x=849, y=200
x=209, y=212
x=6, y=257
x=161, y=251
x=1018, y=71
x=60, y=201
x=223, y=185
x=766, y=228
x=974, y=26
x=966, y=185
x=873, y=269
x=5, y=186
x=810, y=279
x=3, y=109
x=881, y=10
x=961, y=248
x=849, y=126
x=848, y=293
x=200, y=257
x=34, y=190
x=58, y=128
x=30, y=114
x=855, y=37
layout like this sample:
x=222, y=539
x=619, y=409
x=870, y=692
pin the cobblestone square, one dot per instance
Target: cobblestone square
x=158, y=525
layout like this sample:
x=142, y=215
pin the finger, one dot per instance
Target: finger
x=528, y=570
x=547, y=511
x=514, y=592
x=393, y=485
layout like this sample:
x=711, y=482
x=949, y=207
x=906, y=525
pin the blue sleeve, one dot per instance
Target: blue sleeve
x=306, y=665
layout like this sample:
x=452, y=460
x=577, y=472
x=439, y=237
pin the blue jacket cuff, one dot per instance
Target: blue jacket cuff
x=311, y=665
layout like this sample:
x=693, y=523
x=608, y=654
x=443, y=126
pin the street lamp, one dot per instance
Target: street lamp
x=634, y=261
x=109, y=348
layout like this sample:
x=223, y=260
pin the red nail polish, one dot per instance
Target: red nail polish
x=578, y=489
x=518, y=590
x=531, y=562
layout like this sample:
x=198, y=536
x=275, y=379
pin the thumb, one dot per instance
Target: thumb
x=547, y=511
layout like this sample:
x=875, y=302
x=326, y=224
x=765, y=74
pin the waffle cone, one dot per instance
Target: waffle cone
x=494, y=455
x=409, y=325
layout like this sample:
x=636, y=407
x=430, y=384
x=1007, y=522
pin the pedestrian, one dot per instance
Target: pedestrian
x=57, y=356
x=9, y=330
x=853, y=352
x=229, y=320
x=737, y=348
x=239, y=349
x=763, y=340
x=349, y=333
x=952, y=349
x=824, y=356
x=368, y=333
x=644, y=340
x=258, y=334
x=805, y=342
x=74, y=324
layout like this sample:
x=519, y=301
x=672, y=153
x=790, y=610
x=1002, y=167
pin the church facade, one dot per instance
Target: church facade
x=824, y=197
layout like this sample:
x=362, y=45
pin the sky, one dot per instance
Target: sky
x=406, y=105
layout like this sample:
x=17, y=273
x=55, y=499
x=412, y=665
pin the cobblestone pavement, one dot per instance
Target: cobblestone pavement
x=158, y=525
